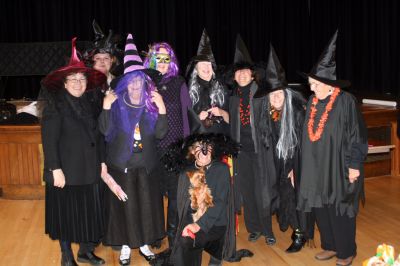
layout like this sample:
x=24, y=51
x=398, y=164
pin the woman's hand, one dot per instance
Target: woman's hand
x=194, y=228
x=353, y=174
x=59, y=178
x=114, y=187
x=109, y=99
x=157, y=99
x=216, y=111
x=203, y=115
x=104, y=170
x=291, y=176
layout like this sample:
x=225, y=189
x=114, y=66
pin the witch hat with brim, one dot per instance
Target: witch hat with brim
x=105, y=44
x=55, y=80
x=275, y=74
x=204, y=53
x=325, y=68
x=133, y=62
x=242, y=58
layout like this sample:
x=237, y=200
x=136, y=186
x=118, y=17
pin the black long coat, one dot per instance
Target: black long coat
x=264, y=173
x=71, y=138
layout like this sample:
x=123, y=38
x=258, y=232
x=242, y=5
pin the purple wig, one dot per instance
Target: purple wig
x=173, y=69
x=126, y=115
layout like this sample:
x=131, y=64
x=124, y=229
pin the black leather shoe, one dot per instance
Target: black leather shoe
x=91, y=258
x=298, y=242
x=148, y=258
x=68, y=261
x=270, y=240
x=254, y=236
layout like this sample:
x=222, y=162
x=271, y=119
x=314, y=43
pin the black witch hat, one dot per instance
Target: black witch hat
x=204, y=53
x=325, y=69
x=103, y=44
x=242, y=59
x=275, y=74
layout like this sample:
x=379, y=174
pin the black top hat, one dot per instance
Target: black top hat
x=325, y=68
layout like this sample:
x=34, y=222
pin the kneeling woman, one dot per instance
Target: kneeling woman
x=133, y=117
x=205, y=205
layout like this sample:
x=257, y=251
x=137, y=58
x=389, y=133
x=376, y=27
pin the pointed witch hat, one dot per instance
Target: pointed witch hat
x=104, y=44
x=204, y=53
x=325, y=68
x=133, y=62
x=275, y=74
x=55, y=79
x=242, y=59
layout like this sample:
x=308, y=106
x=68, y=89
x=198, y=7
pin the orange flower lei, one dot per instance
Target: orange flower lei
x=321, y=125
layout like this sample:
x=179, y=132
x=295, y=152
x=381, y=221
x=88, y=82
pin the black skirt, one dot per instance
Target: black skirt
x=140, y=219
x=74, y=213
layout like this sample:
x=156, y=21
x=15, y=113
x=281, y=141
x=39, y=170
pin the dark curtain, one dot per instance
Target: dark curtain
x=368, y=45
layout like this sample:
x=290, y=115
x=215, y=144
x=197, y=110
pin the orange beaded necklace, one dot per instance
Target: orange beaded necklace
x=321, y=125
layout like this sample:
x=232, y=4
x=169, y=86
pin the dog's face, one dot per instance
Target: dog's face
x=197, y=178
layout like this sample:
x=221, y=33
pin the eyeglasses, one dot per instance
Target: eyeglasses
x=75, y=81
x=163, y=58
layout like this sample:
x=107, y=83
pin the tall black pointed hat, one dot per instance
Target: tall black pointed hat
x=204, y=53
x=325, y=68
x=242, y=59
x=275, y=74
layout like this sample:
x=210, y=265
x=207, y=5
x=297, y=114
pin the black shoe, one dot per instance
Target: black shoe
x=68, y=260
x=254, y=236
x=148, y=258
x=298, y=243
x=91, y=258
x=270, y=240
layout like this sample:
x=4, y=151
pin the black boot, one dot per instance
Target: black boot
x=298, y=242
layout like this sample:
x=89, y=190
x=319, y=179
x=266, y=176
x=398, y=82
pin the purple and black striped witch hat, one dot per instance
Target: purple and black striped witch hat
x=133, y=62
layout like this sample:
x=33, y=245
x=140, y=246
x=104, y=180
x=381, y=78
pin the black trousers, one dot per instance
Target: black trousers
x=249, y=188
x=338, y=233
x=168, y=188
x=188, y=251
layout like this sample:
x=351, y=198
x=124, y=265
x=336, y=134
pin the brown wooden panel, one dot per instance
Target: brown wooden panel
x=26, y=192
x=13, y=159
x=20, y=163
x=4, y=164
x=377, y=168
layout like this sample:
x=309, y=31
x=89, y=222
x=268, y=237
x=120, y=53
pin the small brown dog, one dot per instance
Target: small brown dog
x=200, y=194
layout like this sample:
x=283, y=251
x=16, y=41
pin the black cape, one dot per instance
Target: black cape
x=325, y=162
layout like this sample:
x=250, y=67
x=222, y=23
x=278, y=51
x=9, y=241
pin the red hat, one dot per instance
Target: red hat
x=55, y=79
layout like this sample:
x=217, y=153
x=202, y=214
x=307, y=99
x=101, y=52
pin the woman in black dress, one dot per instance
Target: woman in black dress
x=133, y=117
x=334, y=147
x=73, y=152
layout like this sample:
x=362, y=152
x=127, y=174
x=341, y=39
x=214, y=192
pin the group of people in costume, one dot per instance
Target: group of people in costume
x=216, y=146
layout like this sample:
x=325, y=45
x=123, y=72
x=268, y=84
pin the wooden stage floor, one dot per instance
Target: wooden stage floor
x=23, y=242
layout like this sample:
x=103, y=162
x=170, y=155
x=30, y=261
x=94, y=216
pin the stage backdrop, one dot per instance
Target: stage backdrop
x=368, y=45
